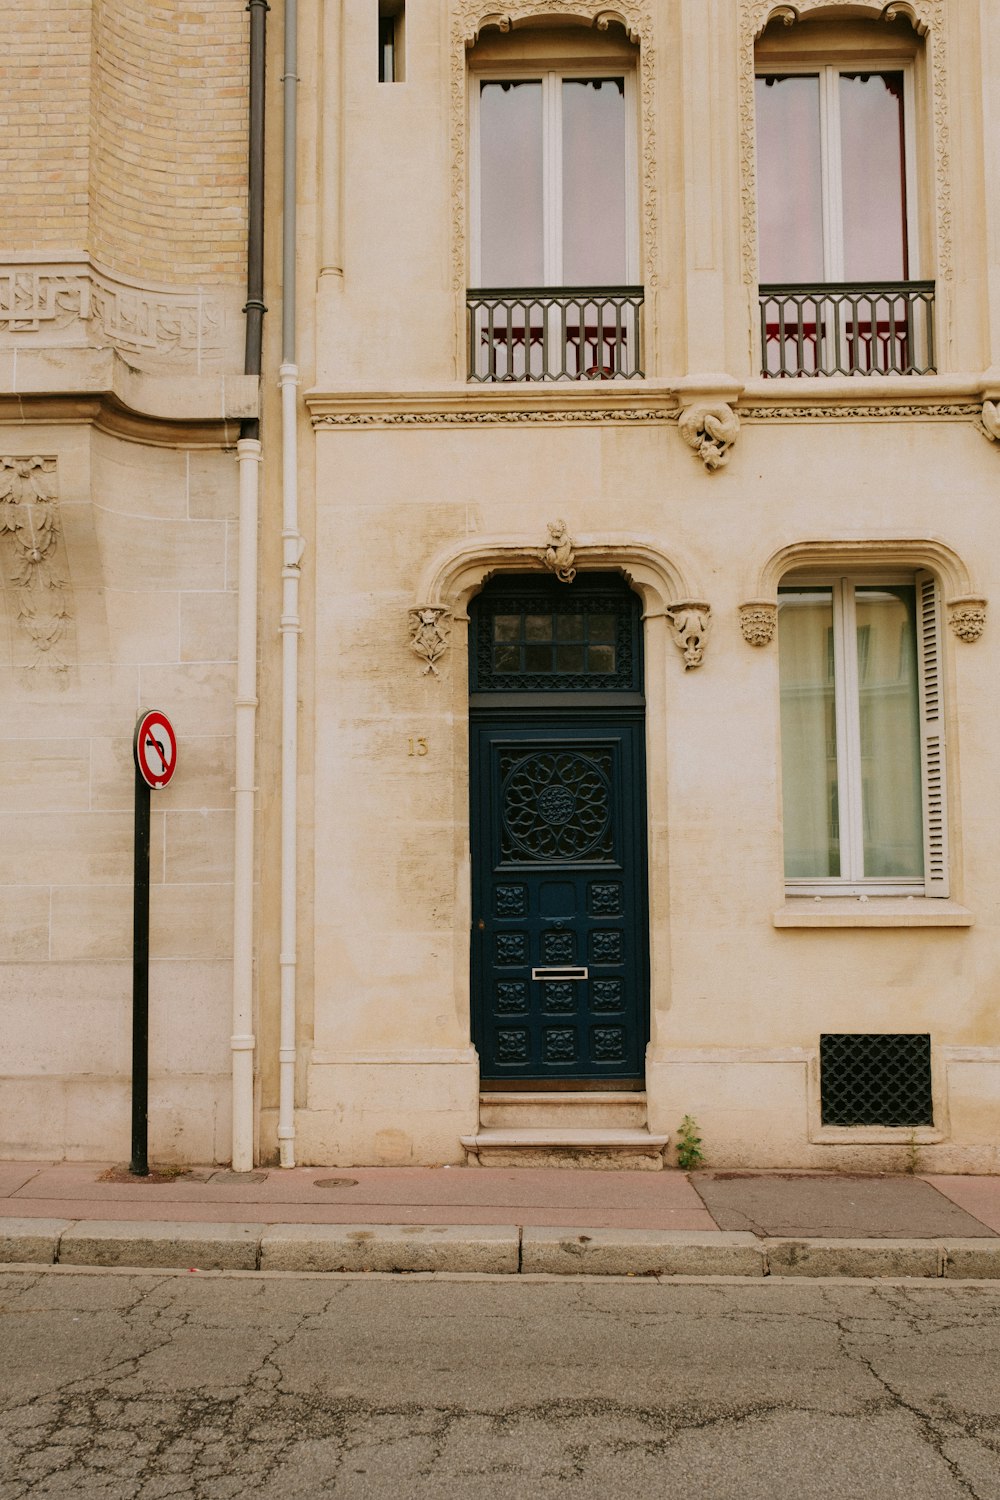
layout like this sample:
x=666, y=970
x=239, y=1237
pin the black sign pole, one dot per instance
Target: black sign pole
x=139, y=1165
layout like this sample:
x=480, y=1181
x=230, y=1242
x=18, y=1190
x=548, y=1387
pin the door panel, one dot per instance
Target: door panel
x=560, y=952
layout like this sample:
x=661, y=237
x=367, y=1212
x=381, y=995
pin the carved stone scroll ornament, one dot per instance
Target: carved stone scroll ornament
x=690, y=621
x=758, y=621
x=991, y=420
x=29, y=517
x=428, y=635
x=710, y=430
x=967, y=617
x=559, y=556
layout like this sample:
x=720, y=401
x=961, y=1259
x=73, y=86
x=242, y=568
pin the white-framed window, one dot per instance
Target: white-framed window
x=836, y=173
x=862, y=735
x=553, y=190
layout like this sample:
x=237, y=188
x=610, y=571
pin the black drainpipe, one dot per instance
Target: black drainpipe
x=255, y=309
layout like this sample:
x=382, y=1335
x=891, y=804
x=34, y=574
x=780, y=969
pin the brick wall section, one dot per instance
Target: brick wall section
x=169, y=163
x=45, y=124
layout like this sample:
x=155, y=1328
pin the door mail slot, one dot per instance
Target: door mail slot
x=560, y=973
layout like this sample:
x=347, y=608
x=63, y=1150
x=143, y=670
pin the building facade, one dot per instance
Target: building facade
x=577, y=631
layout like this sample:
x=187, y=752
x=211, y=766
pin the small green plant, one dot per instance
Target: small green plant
x=689, y=1152
x=912, y=1155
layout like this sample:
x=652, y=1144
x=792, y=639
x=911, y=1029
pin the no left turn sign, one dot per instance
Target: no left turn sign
x=155, y=748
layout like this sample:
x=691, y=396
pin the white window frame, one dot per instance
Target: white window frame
x=831, y=174
x=552, y=80
x=934, y=881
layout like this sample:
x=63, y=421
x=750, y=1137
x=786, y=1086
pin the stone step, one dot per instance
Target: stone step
x=555, y=1146
x=577, y=1111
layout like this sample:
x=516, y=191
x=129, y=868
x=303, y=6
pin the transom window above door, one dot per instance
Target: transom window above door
x=535, y=635
x=554, y=218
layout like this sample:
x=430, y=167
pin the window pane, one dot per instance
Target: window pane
x=510, y=131
x=602, y=627
x=601, y=658
x=593, y=143
x=890, y=731
x=538, y=658
x=507, y=627
x=569, y=627
x=538, y=627
x=808, y=733
x=789, y=198
x=506, y=658
x=872, y=163
x=569, y=658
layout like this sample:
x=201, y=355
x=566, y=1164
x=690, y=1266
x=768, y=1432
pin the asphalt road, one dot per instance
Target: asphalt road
x=154, y=1385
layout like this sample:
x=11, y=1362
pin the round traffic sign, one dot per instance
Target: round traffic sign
x=155, y=748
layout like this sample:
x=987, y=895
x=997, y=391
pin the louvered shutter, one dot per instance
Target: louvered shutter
x=932, y=747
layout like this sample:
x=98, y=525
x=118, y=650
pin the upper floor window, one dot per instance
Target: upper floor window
x=833, y=163
x=553, y=182
x=554, y=221
x=837, y=219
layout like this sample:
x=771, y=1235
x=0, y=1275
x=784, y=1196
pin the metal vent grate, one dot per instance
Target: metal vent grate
x=876, y=1079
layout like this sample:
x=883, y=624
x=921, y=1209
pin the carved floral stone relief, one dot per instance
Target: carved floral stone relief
x=29, y=518
x=758, y=621
x=469, y=17
x=927, y=18
x=967, y=618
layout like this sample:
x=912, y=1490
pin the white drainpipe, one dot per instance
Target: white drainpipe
x=292, y=544
x=248, y=453
x=292, y=548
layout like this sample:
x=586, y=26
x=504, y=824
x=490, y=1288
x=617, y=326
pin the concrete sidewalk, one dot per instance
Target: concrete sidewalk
x=503, y=1220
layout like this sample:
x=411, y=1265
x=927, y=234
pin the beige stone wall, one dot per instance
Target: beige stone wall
x=45, y=103
x=409, y=462
x=144, y=553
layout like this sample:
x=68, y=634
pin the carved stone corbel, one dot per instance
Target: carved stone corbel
x=559, y=556
x=690, y=621
x=710, y=429
x=758, y=621
x=991, y=420
x=967, y=617
x=429, y=634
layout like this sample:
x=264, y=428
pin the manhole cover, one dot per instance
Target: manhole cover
x=335, y=1182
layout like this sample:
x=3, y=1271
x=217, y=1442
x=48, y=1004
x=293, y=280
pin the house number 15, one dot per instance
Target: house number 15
x=417, y=745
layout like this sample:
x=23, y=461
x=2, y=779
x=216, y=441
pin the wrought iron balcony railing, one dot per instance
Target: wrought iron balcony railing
x=871, y=328
x=549, y=333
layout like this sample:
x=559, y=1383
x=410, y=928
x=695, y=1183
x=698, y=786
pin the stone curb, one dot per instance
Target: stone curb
x=640, y=1252
x=490, y=1249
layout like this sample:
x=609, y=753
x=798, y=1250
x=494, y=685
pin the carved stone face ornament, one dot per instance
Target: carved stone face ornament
x=710, y=430
x=559, y=556
x=428, y=637
x=690, y=622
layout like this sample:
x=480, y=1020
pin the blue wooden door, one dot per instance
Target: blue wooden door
x=560, y=949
